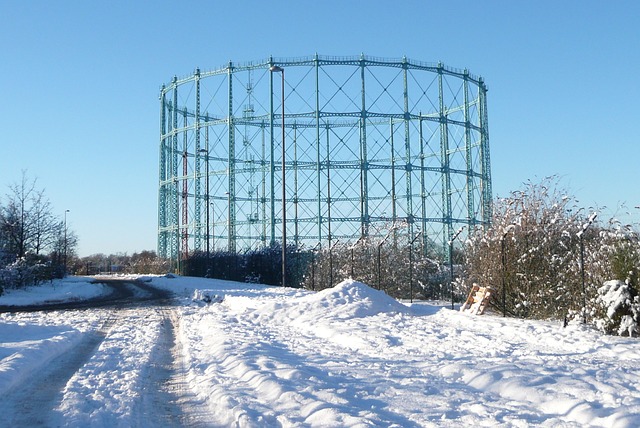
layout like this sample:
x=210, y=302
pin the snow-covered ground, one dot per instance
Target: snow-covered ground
x=348, y=356
x=59, y=290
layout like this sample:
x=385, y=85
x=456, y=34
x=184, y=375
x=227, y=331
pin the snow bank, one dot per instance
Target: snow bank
x=24, y=349
x=29, y=341
x=72, y=288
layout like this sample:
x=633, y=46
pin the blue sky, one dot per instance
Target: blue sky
x=80, y=81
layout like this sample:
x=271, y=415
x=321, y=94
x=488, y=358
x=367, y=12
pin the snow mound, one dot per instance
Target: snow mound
x=337, y=315
x=349, y=299
x=206, y=296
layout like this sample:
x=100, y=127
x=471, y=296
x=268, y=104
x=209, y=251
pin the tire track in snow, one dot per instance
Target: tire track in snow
x=134, y=349
x=32, y=403
x=166, y=398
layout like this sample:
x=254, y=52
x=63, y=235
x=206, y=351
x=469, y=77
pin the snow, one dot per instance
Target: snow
x=350, y=356
x=106, y=388
x=615, y=296
x=58, y=290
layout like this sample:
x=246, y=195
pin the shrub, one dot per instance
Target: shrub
x=618, y=309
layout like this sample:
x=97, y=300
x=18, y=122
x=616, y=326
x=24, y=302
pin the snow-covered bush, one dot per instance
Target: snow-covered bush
x=18, y=274
x=546, y=258
x=532, y=248
x=24, y=272
x=618, y=309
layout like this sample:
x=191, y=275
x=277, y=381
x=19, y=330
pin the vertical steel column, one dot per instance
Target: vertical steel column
x=162, y=176
x=175, y=199
x=393, y=175
x=272, y=164
x=484, y=154
x=467, y=146
x=232, y=167
x=407, y=148
x=446, y=178
x=423, y=191
x=318, y=145
x=284, y=193
x=207, y=236
x=263, y=200
x=197, y=197
x=185, y=189
x=295, y=183
x=329, y=237
x=364, y=163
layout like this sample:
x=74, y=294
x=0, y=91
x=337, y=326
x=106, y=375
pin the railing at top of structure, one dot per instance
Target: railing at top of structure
x=330, y=60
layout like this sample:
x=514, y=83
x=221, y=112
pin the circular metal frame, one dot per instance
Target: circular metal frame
x=370, y=144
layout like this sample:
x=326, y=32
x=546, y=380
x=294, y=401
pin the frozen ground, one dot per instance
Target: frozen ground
x=348, y=356
x=69, y=289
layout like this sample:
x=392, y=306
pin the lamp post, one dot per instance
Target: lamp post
x=276, y=69
x=206, y=167
x=453, y=238
x=584, y=291
x=65, y=242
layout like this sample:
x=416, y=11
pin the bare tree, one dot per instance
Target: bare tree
x=15, y=216
x=26, y=221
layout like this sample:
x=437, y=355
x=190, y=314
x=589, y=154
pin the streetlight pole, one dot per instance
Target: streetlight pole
x=65, y=242
x=453, y=238
x=276, y=69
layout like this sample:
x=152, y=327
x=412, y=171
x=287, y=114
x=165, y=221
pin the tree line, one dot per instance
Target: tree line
x=34, y=242
x=143, y=262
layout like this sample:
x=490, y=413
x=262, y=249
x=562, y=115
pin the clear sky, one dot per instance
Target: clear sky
x=79, y=86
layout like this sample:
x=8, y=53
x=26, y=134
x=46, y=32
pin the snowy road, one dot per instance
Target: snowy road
x=115, y=365
x=271, y=357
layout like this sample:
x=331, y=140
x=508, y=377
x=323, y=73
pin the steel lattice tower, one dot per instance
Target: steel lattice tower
x=370, y=142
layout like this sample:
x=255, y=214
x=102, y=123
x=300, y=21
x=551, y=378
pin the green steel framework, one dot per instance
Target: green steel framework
x=370, y=143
